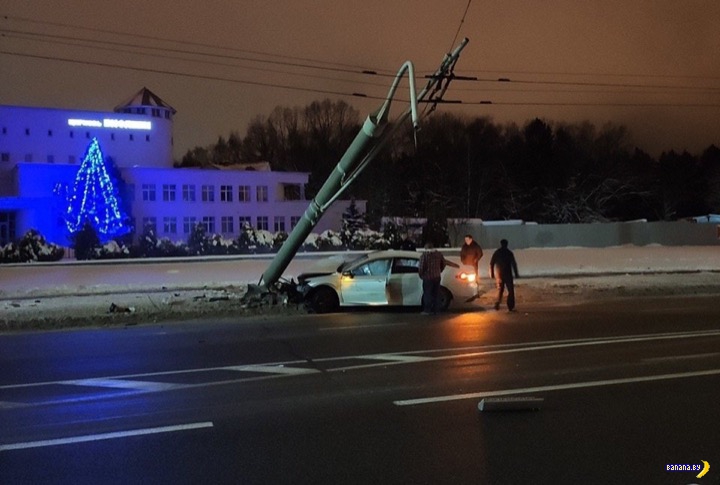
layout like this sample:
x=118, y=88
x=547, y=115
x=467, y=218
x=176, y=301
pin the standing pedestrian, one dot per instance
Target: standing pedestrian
x=504, y=261
x=430, y=271
x=470, y=254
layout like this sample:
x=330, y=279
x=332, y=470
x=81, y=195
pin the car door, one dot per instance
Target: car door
x=404, y=284
x=365, y=284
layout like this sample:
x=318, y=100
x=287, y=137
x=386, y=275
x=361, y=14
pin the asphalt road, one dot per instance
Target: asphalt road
x=628, y=387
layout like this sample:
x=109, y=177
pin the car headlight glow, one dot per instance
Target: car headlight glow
x=466, y=277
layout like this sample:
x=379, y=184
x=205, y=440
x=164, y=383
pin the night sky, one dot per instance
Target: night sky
x=652, y=65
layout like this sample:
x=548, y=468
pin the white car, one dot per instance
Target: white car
x=382, y=278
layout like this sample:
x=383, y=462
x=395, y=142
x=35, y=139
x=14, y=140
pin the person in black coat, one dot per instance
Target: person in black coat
x=502, y=267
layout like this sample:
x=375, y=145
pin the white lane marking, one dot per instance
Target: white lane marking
x=105, y=436
x=557, y=387
x=397, y=357
x=682, y=357
x=145, y=386
x=273, y=369
x=449, y=353
x=10, y=405
x=355, y=327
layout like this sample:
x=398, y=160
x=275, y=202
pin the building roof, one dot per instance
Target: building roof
x=145, y=97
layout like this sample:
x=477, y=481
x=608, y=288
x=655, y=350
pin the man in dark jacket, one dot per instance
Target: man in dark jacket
x=504, y=261
x=471, y=252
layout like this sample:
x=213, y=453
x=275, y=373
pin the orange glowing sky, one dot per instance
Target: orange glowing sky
x=652, y=65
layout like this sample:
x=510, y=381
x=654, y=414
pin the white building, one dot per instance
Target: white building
x=41, y=150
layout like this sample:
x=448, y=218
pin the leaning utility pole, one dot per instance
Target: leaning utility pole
x=364, y=148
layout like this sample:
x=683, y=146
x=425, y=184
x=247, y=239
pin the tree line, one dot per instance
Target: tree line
x=472, y=167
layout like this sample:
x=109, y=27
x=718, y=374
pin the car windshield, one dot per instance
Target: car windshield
x=346, y=264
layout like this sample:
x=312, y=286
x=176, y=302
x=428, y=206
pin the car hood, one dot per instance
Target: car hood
x=306, y=276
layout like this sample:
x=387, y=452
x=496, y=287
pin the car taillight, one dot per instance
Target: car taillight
x=466, y=277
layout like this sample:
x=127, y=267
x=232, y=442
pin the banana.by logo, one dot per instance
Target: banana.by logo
x=703, y=467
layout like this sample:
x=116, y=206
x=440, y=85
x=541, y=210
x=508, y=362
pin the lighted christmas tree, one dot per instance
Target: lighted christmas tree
x=93, y=199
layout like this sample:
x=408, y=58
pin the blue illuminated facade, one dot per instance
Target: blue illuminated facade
x=42, y=151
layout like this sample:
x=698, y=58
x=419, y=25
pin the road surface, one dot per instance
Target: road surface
x=628, y=387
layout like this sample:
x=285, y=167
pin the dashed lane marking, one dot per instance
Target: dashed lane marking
x=105, y=436
x=556, y=387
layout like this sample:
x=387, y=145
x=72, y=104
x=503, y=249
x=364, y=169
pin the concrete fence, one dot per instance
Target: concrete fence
x=529, y=235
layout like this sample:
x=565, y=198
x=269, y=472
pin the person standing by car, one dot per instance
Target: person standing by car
x=504, y=261
x=430, y=270
x=470, y=254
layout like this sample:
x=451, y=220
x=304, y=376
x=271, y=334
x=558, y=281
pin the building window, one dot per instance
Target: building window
x=294, y=220
x=87, y=135
x=226, y=193
x=279, y=223
x=244, y=193
x=188, y=224
x=7, y=228
x=112, y=136
x=132, y=137
x=245, y=222
x=28, y=157
x=188, y=193
x=208, y=223
x=150, y=224
x=4, y=130
x=71, y=159
x=226, y=225
x=49, y=132
x=51, y=158
x=148, y=192
x=170, y=225
x=262, y=223
x=208, y=193
x=291, y=192
x=262, y=193
x=5, y=157
x=156, y=112
x=72, y=135
x=147, y=137
x=169, y=192
x=27, y=131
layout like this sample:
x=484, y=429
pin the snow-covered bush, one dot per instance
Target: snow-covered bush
x=112, y=250
x=32, y=247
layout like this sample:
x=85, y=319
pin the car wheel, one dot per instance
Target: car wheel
x=444, y=298
x=323, y=300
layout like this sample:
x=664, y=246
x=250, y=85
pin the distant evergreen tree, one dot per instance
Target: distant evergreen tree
x=352, y=221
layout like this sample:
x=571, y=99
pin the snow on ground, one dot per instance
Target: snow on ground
x=127, y=292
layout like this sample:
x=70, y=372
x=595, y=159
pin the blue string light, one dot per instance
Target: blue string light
x=94, y=199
